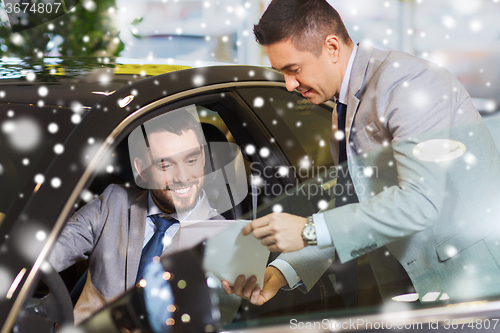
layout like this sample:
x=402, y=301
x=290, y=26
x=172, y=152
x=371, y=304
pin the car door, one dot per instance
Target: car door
x=88, y=157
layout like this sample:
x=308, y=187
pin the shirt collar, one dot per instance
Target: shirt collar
x=345, y=82
x=154, y=209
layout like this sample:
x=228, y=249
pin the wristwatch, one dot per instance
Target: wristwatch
x=309, y=232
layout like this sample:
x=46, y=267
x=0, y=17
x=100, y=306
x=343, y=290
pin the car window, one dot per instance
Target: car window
x=301, y=129
x=117, y=167
x=28, y=142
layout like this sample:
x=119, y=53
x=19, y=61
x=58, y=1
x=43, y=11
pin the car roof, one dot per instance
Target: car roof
x=83, y=81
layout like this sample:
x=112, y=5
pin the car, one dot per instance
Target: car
x=64, y=127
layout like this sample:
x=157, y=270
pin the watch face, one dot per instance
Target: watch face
x=309, y=232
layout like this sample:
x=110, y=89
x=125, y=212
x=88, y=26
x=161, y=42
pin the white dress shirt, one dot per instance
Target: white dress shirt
x=172, y=230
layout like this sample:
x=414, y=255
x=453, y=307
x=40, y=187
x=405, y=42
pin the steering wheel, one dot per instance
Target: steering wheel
x=55, y=308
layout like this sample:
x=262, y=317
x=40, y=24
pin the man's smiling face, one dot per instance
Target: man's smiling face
x=177, y=174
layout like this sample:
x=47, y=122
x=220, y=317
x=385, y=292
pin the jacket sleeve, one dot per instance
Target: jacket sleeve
x=82, y=231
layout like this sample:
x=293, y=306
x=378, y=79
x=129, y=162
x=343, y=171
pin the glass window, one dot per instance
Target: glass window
x=28, y=142
x=301, y=129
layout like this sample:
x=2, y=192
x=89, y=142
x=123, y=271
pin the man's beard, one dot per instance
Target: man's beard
x=170, y=203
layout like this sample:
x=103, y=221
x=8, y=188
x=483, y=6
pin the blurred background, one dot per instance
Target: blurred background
x=460, y=35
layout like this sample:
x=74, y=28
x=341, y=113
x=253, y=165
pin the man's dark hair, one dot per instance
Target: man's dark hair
x=177, y=122
x=306, y=22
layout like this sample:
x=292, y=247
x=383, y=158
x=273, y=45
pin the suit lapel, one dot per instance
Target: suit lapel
x=137, y=226
x=358, y=73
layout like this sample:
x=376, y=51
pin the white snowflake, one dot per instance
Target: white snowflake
x=43, y=91
x=104, y=79
x=39, y=178
x=86, y=195
x=23, y=134
x=368, y=172
x=55, y=182
x=451, y=251
x=339, y=135
x=76, y=107
x=89, y=5
x=448, y=21
x=258, y=102
x=76, y=118
x=58, y=149
x=264, y=152
x=257, y=180
x=41, y=235
x=283, y=171
x=470, y=159
x=250, y=149
x=30, y=76
x=198, y=80
x=277, y=208
x=53, y=128
x=322, y=204
x=476, y=25
x=305, y=162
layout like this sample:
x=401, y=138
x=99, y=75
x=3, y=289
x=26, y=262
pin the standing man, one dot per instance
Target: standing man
x=433, y=200
x=122, y=230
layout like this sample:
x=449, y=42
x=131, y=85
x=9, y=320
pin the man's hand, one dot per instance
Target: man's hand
x=280, y=232
x=273, y=281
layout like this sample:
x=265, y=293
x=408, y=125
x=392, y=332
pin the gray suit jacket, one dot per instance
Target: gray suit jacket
x=109, y=231
x=438, y=218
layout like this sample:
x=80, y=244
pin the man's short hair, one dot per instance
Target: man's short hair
x=177, y=122
x=306, y=22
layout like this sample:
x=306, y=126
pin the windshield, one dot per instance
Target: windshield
x=29, y=140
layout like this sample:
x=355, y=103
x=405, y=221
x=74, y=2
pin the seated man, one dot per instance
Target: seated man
x=123, y=229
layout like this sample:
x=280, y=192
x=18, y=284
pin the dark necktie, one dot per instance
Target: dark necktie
x=154, y=247
x=345, y=273
x=341, y=112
